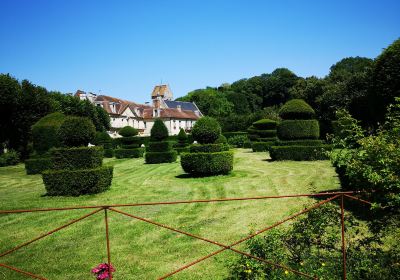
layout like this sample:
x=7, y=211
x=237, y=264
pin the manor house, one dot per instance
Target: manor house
x=175, y=114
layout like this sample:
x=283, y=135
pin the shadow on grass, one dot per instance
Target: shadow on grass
x=191, y=176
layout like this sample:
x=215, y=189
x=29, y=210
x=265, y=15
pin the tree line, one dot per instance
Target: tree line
x=363, y=86
x=22, y=104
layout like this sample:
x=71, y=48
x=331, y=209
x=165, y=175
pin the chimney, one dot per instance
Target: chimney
x=179, y=108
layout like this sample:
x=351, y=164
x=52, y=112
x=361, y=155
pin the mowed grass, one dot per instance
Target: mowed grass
x=140, y=250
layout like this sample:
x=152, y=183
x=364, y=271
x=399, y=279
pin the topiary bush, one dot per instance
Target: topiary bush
x=296, y=109
x=182, y=144
x=159, y=150
x=262, y=134
x=130, y=144
x=206, y=130
x=103, y=139
x=221, y=140
x=159, y=131
x=76, y=170
x=298, y=134
x=76, y=132
x=45, y=132
x=9, y=158
x=298, y=129
x=207, y=158
x=238, y=141
x=44, y=137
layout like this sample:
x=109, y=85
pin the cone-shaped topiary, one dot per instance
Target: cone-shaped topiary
x=207, y=158
x=159, y=150
x=76, y=132
x=182, y=144
x=206, y=130
x=76, y=170
x=298, y=134
x=130, y=147
x=159, y=131
x=262, y=134
x=44, y=136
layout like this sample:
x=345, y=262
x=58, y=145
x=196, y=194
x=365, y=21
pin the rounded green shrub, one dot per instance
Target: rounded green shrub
x=182, y=137
x=101, y=138
x=298, y=129
x=129, y=153
x=206, y=130
x=45, y=132
x=296, y=109
x=208, y=148
x=128, y=131
x=318, y=152
x=265, y=124
x=221, y=140
x=207, y=164
x=160, y=146
x=159, y=131
x=76, y=158
x=76, y=131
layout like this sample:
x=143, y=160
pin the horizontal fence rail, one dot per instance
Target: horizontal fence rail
x=328, y=197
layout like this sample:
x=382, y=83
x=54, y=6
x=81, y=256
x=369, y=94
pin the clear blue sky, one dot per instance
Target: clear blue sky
x=124, y=48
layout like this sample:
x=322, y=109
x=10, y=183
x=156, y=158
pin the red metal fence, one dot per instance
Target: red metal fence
x=328, y=197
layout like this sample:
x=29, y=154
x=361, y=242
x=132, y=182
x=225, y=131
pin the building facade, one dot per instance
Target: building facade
x=175, y=114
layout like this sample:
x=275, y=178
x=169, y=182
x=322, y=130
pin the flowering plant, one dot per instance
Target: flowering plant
x=102, y=271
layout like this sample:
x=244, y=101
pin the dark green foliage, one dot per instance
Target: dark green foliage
x=265, y=124
x=207, y=164
x=77, y=182
x=182, y=137
x=263, y=133
x=130, y=140
x=268, y=139
x=261, y=146
x=221, y=140
x=9, y=158
x=103, y=139
x=233, y=134
x=296, y=109
x=76, y=158
x=160, y=157
x=206, y=130
x=299, y=152
x=180, y=150
x=76, y=132
x=129, y=153
x=108, y=153
x=159, y=131
x=130, y=146
x=298, y=129
x=238, y=141
x=208, y=148
x=128, y=131
x=37, y=165
x=299, y=142
x=159, y=146
x=386, y=79
x=45, y=132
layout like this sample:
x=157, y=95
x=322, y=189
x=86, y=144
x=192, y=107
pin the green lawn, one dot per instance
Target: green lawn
x=140, y=250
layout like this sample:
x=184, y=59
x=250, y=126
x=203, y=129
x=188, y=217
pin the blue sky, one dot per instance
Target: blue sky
x=124, y=48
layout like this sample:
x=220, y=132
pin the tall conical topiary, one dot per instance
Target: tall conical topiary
x=207, y=158
x=75, y=168
x=45, y=137
x=262, y=134
x=181, y=145
x=159, y=150
x=298, y=134
x=130, y=144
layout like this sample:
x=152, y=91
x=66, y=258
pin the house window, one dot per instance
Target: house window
x=144, y=124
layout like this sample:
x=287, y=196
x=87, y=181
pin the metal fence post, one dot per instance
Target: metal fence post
x=108, y=244
x=343, y=238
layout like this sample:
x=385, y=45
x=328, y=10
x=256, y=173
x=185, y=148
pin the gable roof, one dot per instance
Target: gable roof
x=161, y=90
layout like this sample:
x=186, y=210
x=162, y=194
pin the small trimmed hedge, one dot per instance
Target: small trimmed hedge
x=208, y=148
x=207, y=164
x=108, y=153
x=298, y=129
x=180, y=150
x=268, y=139
x=309, y=142
x=130, y=140
x=296, y=109
x=233, y=134
x=159, y=146
x=76, y=158
x=37, y=165
x=263, y=133
x=261, y=146
x=160, y=157
x=265, y=124
x=77, y=182
x=129, y=153
x=300, y=152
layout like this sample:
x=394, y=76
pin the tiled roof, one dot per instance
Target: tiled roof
x=160, y=90
x=120, y=104
x=184, y=105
